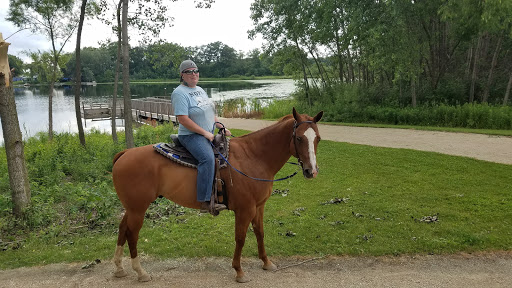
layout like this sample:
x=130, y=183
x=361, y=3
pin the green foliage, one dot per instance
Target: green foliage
x=71, y=185
x=279, y=108
x=351, y=103
x=17, y=64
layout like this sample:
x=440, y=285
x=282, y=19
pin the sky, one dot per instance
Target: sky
x=227, y=21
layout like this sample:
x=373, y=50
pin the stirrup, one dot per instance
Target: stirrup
x=213, y=209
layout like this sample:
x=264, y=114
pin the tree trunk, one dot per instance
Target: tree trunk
x=350, y=63
x=340, y=57
x=304, y=73
x=318, y=66
x=128, y=130
x=50, y=108
x=507, y=92
x=485, y=97
x=116, y=75
x=413, y=92
x=78, y=75
x=16, y=167
x=475, y=70
x=55, y=63
x=468, y=61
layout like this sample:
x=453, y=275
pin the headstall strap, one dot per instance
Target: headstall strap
x=295, y=126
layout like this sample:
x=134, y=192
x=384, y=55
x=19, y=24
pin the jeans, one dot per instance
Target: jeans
x=201, y=149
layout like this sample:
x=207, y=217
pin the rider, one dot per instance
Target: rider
x=196, y=115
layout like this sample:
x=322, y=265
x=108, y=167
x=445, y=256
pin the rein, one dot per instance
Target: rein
x=259, y=179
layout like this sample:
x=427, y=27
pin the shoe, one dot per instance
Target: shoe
x=205, y=207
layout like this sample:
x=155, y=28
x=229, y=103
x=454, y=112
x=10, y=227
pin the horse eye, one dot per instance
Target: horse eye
x=299, y=138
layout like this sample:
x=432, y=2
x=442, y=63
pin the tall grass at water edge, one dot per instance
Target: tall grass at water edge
x=470, y=116
x=365, y=201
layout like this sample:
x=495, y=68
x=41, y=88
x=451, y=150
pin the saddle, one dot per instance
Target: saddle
x=176, y=152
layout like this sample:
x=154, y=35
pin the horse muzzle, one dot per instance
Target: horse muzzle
x=310, y=173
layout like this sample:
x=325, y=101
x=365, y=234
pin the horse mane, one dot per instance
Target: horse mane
x=284, y=118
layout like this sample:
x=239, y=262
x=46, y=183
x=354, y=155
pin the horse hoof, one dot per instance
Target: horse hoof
x=243, y=279
x=144, y=278
x=120, y=273
x=270, y=267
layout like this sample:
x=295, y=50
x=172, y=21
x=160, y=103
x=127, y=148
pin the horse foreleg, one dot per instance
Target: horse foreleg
x=118, y=255
x=242, y=220
x=134, y=223
x=257, y=225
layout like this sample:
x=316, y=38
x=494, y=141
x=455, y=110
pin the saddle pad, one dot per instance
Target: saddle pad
x=177, y=154
x=180, y=154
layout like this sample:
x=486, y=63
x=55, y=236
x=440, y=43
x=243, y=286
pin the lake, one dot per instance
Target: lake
x=32, y=102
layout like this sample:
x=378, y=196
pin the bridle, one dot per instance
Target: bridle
x=300, y=163
x=295, y=126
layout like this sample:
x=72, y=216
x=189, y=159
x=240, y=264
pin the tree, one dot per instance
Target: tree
x=113, y=112
x=52, y=18
x=128, y=127
x=18, y=176
x=16, y=64
x=78, y=75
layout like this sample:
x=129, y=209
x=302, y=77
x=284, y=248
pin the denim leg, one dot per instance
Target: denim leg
x=202, y=150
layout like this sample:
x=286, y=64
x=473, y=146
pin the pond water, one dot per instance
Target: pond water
x=32, y=102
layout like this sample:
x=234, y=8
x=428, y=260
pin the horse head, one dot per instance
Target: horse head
x=304, y=142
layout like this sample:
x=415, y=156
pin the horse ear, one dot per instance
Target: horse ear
x=295, y=114
x=318, y=116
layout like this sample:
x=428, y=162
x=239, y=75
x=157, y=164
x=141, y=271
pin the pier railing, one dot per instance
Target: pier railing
x=143, y=110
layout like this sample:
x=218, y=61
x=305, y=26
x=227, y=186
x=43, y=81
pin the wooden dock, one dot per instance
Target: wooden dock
x=99, y=111
x=148, y=110
x=154, y=108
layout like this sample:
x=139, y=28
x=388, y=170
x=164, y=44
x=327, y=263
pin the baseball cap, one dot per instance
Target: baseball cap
x=187, y=64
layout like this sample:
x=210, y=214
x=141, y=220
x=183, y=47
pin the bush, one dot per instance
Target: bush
x=71, y=186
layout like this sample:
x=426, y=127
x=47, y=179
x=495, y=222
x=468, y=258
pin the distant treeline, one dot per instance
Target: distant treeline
x=157, y=61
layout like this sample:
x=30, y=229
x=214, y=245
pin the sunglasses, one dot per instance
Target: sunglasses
x=195, y=71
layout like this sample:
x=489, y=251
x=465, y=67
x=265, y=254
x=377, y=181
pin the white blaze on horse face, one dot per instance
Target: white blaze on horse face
x=311, y=135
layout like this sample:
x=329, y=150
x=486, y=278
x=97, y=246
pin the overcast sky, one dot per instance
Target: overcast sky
x=227, y=21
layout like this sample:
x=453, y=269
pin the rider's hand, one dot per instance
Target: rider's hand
x=228, y=133
x=208, y=136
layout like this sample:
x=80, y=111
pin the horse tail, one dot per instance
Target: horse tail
x=118, y=155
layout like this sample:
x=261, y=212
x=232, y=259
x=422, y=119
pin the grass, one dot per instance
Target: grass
x=383, y=196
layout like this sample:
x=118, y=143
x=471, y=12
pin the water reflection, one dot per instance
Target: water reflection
x=32, y=102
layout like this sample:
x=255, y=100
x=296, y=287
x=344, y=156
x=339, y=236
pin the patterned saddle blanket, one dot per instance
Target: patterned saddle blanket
x=179, y=154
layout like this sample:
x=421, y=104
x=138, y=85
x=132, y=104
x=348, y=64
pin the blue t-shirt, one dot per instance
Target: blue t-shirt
x=194, y=103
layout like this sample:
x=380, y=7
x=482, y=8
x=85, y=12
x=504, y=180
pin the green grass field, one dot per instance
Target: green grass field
x=365, y=201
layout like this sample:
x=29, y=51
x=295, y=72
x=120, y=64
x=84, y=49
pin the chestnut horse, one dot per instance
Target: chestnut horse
x=141, y=174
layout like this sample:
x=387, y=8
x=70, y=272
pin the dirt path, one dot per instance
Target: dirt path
x=483, y=147
x=460, y=270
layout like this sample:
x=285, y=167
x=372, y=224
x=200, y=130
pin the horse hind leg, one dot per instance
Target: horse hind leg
x=129, y=231
x=135, y=222
x=118, y=255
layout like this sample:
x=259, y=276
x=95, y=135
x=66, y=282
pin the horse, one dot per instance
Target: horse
x=140, y=175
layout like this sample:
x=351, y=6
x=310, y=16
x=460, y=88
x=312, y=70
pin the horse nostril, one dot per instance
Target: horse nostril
x=308, y=172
